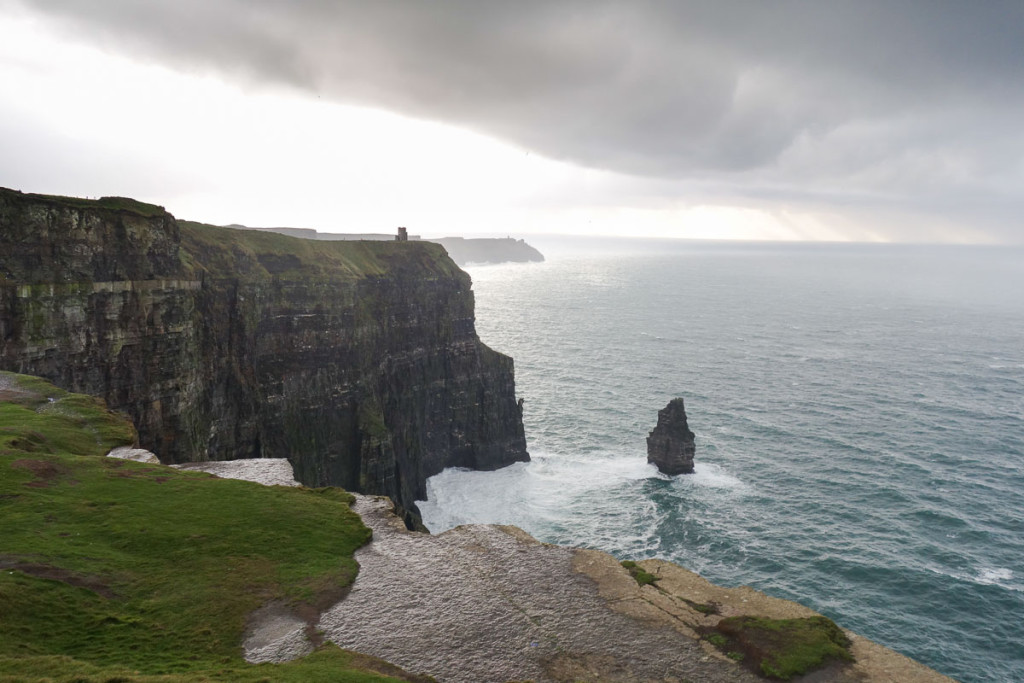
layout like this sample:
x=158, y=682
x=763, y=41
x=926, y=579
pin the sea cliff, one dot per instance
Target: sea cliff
x=357, y=361
x=119, y=568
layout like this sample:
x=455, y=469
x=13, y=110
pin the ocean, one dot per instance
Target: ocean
x=859, y=419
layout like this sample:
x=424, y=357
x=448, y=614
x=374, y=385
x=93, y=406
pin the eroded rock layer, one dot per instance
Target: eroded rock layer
x=357, y=361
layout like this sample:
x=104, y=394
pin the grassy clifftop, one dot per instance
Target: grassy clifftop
x=46, y=238
x=221, y=251
x=115, y=569
x=110, y=203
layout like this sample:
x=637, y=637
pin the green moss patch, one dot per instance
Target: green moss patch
x=703, y=607
x=642, y=577
x=117, y=570
x=781, y=648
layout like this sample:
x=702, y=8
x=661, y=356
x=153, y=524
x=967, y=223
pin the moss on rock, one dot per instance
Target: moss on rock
x=642, y=577
x=781, y=648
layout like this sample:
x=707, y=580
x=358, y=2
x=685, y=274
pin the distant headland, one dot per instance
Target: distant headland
x=463, y=250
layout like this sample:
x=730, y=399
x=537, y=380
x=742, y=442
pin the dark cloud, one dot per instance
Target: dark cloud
x=895, y=101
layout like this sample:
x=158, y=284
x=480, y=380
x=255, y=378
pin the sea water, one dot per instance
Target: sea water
x=859, y=420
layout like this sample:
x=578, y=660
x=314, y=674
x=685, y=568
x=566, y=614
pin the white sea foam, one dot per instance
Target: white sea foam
x=459, y=496
x=531, y=494
x=994, y=575
x=710, y=475
x=552, y=488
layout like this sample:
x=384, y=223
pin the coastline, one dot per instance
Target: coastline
x=480, y=601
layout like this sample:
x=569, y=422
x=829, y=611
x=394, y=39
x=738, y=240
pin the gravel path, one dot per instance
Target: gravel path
x=488, y=603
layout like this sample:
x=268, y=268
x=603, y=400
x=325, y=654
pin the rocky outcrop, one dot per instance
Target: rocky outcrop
x=357, y=361
x=134, y=454
x=670, y=446
x=490, y=603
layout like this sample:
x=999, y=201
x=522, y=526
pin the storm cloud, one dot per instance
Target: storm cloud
x=909, y=104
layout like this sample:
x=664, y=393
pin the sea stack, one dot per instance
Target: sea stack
x=670, y=446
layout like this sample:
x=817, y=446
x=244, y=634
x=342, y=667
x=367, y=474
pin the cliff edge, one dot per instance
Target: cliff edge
x=357, y=361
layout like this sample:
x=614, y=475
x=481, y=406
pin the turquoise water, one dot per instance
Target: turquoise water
x=859, y=413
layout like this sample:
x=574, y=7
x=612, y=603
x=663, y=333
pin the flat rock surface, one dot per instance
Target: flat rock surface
x=268, y=471
x=489, y=603
x=275, y=635
x=136, y=454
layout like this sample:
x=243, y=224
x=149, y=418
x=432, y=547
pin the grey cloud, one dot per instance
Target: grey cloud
x=899, y=99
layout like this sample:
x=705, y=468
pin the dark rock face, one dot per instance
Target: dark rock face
x=670, y=446
x=357, y=361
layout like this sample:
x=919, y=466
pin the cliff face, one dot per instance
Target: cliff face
x=357, y=361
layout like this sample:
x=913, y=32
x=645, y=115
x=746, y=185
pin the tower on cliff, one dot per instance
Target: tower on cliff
x=402, y=236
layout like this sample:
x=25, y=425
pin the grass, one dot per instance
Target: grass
x=717, y=639
x=37, y=416
x=781, y=648
x=257, y=254
x=116, y=570
x=642, y=577
x=110, y=203
x=329, y=664
x=260, y=253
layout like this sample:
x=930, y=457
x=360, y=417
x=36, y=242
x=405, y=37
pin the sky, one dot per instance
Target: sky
x=859, y=120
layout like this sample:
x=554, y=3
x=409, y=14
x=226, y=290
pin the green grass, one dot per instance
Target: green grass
x=116, y=570
x=255, y=254
x=639, y=575
x=36, y=416
x=781, y=648
x=329, y=664
x=232, y=252
x=110, y=203
x=717, y=639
